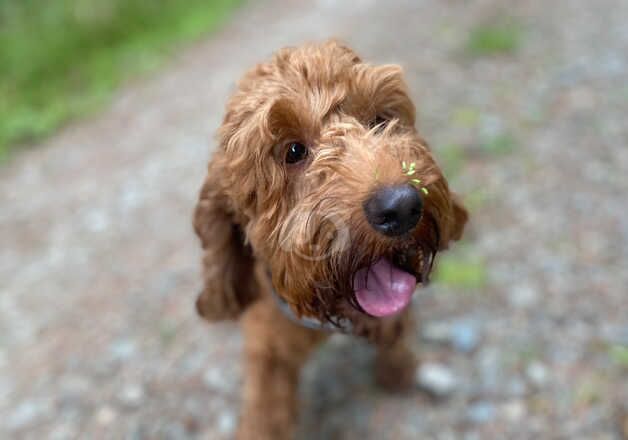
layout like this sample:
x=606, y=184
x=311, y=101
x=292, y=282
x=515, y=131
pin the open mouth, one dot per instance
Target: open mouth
x=385, y=288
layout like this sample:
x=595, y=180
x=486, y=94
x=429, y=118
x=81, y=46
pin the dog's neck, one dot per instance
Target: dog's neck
x=344, y=326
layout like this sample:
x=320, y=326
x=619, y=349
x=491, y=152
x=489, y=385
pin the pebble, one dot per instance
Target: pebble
x=523, y=296
x=106, y=415
x=437, y=379
x=514, y=411
x=122, y=350
x=226, y=422
x=27, y=413
x=537, y=374
x=132, y=395
x=63, y=431
x=217, y=379
x=72, y=389
x=173, y=431
x=436, y=332
x=463, y=335
x=516, y=387
x=491, y=375
x=481, y=412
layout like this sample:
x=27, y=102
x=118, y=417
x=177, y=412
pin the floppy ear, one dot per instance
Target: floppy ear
x=459, y=218
x=228, y=264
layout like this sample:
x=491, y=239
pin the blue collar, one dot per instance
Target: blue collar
x=309, y=322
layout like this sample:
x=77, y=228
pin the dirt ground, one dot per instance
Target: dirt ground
x=99, y=267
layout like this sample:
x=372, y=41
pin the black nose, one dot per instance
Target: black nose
x=394, y=210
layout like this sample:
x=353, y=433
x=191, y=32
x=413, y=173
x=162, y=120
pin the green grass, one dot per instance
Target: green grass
x=461, y=271
x=619, y=355
x=502, y=36
x=452, y=158
x=62, y=58
x=468, y=117
x=501, y=144
x=476, y=199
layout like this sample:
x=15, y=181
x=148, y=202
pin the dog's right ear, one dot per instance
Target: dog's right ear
x=228, y=264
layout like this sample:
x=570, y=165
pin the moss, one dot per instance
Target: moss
x=619, y=355
x=452, y=158
x=466, y=117
x=503, y=36
x=501, y=144
x=461, y=271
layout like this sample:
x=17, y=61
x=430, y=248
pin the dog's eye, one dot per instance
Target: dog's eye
x=379, y=121
x=296, y=152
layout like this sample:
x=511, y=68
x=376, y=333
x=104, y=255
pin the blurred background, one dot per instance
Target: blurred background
x=107, y=115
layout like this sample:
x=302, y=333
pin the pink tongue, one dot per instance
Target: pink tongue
x=383, y=289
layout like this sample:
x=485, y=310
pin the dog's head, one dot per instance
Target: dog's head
x=321, y=168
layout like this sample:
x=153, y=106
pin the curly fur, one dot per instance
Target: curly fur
x=305, y=223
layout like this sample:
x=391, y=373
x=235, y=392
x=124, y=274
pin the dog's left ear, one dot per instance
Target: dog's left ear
x=459, y=218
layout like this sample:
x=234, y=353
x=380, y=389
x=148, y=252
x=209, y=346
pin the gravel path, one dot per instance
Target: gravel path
x=99, y=267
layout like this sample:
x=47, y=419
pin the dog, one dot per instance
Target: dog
x=322, y=210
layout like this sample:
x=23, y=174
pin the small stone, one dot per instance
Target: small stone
x=436, y=332
x=226, y=422
x=465, y=336
x=516, y=387
x=122, y=350
x=173, y=430
x=63, y=431
x=215, y=378
x=514, y=411
x=462, y=335
x=106, y=415
x=490, y=368
x=72, y=389
x=537, y=374
x=27, y=413
x=131, y=395
x=436, y=379
x=523, y=296
x=481, y=412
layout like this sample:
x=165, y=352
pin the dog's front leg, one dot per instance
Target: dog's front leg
x=275, y=350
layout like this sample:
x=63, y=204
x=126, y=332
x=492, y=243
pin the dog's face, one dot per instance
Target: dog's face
x=336, y=193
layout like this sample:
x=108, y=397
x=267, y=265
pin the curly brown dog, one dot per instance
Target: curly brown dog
x=323, y=209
